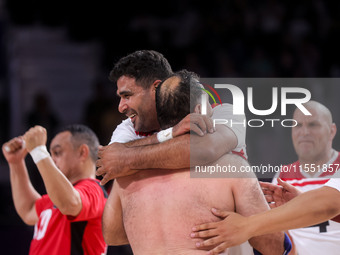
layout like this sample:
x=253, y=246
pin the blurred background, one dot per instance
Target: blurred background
x=55, y=57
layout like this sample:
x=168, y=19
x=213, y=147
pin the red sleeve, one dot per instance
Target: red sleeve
x=93, y=200
x=42, y=203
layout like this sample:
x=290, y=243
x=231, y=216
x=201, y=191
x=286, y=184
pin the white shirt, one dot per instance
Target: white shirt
x=237, y=123
x=325, y=237
x=334, y=182
x=124, y=133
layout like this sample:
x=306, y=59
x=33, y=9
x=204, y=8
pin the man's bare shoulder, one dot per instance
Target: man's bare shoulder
x=233, y=158
x=238, y=167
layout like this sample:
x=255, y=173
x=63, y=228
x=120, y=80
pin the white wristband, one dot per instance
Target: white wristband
x=164, y=135
x=39, y=153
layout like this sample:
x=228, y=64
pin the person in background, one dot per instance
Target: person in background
x=68, y=218
x=317, y=162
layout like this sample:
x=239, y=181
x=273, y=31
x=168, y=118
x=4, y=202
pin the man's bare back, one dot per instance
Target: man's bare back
x=160, y=207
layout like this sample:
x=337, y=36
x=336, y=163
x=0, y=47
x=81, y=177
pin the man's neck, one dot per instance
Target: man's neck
x=145, y=133
x=313, y=166
x=84, y=174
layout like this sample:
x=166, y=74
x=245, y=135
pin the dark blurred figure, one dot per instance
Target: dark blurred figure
x=42, y=114
x=4, y=120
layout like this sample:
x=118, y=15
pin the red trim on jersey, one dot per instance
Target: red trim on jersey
x=292, y=173
x=214, y=105
x=316, y=182
x=144, y=133
x=240, y=153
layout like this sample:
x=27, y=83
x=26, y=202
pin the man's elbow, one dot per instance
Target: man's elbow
x=331, y=209
x=203, y=156
x=28, y=221
x=329, y=205
x=272, y=244
x=28, y=215
x=28, y=218
x=71, y=207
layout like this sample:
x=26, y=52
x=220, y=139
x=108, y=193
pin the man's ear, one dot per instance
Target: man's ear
x=333, y=130
x=155, y=84
x=198, y=109
x=84, y=151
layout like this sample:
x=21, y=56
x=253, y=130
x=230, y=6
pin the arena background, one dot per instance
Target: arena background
x=56, y=56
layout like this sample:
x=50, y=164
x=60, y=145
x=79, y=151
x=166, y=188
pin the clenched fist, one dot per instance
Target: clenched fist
x=34, y=137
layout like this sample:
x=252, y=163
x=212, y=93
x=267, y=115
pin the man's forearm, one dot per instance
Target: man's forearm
x=118, y=160
x=23, y=193
x=299, y=212
x=59, y=188
x=184, y=150
x=144, y=141
x=172, y=154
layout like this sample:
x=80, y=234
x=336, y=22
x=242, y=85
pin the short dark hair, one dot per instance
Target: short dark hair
x=146, y=66
x=173, y=103
x=82, y=134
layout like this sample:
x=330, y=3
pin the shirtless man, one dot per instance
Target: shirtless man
x=157, y=208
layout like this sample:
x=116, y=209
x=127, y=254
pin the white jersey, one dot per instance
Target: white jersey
x=334, y=182
x=237, y=123
x=125, y=131
x=323, y=238
x=242, y=249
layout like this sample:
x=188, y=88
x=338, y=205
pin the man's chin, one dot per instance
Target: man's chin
x=142, y=129
x=135, y=125
x=307, y=155
x=139, y=128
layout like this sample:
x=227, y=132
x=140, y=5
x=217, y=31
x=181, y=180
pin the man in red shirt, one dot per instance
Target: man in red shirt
x=68, y=218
